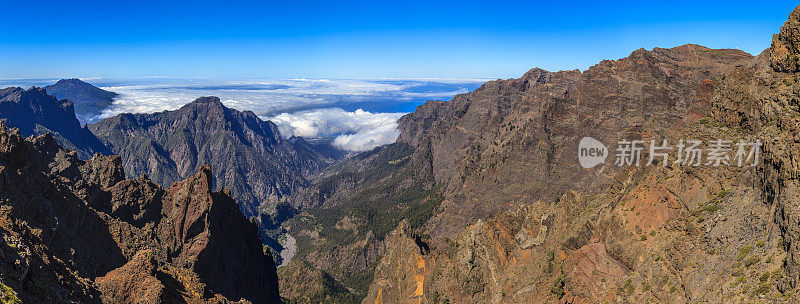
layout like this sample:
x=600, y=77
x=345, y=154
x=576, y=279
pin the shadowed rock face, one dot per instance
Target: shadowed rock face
x=89, y=101
x=247, y=155
x=35, y=113
x=66, y=223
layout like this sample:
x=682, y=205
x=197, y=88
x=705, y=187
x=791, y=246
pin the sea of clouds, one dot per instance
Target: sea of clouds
x=353, y=131
x=358, y=114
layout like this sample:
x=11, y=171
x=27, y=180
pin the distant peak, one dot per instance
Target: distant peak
x=207, y=99
x=71, y=81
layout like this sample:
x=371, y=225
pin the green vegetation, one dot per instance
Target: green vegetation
x=550, y=258
x=762, y=289
x=744, y=252
x=752, y=261
x=628, y=286
x=8, y=295
x=558, y=287
x=710, y=208
x=374, y=200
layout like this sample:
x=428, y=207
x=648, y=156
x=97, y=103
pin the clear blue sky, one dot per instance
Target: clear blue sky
x=370, y=39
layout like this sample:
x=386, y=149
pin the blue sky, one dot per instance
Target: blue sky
x=370, y=39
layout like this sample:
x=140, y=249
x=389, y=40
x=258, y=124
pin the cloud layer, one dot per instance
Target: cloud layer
x=359, y=114
x=355, y=131
x=270, y=97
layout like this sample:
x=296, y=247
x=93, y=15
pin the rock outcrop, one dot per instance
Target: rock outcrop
x=78, y=231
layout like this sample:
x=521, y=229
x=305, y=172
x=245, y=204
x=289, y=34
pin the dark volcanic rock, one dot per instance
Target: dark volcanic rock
x=89, y=101
x=247, y=155
x=35, y=113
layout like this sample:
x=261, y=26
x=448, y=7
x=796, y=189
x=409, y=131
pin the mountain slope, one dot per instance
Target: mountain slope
x=507, y=145
x=674, y=234
x=248, y=155
x=89, y=101
x=35, y=112
x=77, y=231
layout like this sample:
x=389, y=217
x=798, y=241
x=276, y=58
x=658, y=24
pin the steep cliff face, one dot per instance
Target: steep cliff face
x=515, y=141
x=508, y=144
x=36, y=113
x=78, y=231
x=89, y=101
x=761, y=98
x=248, y=155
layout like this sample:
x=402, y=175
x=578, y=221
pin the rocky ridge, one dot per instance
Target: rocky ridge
x=508, y=144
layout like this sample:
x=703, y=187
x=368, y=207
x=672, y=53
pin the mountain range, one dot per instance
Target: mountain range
x=481, y=199
x=247, y=155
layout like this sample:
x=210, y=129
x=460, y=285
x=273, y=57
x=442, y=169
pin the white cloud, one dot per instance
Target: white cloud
x=355, y=131
x=308, y=105
x=259, y=96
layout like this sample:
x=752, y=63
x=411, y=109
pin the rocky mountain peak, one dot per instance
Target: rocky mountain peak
x=784, y=54
x=72, y=81
x=207, y=99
